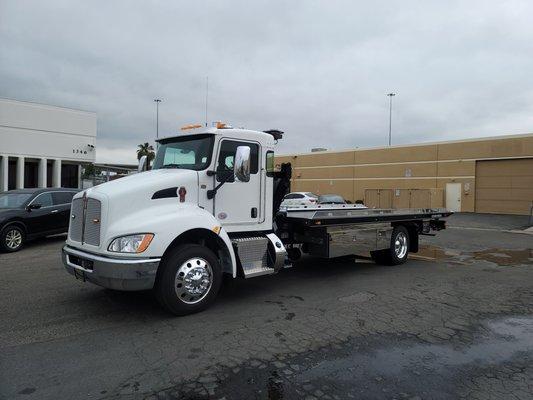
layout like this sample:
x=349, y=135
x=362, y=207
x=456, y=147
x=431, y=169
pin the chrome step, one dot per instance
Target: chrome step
x=253, y=272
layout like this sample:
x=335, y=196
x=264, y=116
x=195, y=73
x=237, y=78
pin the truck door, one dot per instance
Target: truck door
x=237, y=203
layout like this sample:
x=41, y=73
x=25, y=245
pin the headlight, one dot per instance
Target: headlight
x=131, y=243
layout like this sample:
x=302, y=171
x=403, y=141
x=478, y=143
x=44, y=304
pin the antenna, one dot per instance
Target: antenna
x=206, y=97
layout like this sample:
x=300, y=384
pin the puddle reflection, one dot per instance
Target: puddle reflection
x=501, y=257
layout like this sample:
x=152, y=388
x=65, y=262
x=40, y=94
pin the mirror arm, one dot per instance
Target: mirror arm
x=212, y=192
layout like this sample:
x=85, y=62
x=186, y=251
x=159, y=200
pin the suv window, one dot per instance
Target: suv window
x=226, y=157
x=62, y=197
x=331, y=199
x=44, y=199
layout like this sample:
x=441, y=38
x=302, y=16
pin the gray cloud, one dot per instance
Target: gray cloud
x=317, y=70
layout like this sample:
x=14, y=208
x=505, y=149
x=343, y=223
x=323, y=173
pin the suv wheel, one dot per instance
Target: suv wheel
x=12, y=238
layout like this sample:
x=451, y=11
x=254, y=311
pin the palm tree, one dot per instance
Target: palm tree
x=146, y=149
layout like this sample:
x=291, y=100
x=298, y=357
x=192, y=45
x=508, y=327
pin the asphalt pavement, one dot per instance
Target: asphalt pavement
x=454, y=322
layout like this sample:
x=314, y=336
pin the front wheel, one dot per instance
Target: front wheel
x=11, y=238
x=188, y=280
x=398, y=251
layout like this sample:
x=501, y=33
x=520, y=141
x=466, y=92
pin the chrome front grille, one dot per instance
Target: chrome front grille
x=75, y=229
x=91, y=233
x=85, y=221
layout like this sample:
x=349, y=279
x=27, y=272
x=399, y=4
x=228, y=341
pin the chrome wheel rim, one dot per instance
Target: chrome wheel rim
x=400, y=245
x=194, y=279
x=13, y=239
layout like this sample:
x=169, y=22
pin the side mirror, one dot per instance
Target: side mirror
x=33, y=206
x=142, y=164
x=241, y=168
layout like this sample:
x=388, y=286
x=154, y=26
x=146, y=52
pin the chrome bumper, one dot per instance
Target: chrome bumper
x=112, y=273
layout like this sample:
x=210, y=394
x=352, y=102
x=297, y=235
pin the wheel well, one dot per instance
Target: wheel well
x=20, y=224
x=207, y=238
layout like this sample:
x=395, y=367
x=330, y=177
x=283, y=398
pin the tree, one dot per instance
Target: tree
x=90, y=170
x=146, y=149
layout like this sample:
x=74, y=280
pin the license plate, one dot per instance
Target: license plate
x=79, y=275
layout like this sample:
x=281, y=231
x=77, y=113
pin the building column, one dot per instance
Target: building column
x=4, y=174
x=56, y=175
x=20, y=172
x=80, y=183
x=42, y=173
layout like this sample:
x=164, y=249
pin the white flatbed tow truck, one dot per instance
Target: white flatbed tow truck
x=210, y=207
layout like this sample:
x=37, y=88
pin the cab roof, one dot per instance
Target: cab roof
x=239, y=133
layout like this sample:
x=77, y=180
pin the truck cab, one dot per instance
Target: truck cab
x=239, y=205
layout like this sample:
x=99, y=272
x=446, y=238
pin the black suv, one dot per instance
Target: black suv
x=30, y=213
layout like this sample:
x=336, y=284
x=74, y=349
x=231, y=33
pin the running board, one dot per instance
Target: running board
x=253, y=272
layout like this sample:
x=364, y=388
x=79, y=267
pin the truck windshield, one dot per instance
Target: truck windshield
x=188, y=152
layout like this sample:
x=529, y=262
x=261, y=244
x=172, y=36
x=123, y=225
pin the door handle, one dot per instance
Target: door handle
x=54, y=211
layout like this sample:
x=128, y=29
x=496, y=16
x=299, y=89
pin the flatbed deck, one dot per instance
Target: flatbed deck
x=335, y=231
x=345, y=215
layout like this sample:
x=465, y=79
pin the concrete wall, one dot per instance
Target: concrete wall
x=37, y=130
x=355, y=174
x=38, y=142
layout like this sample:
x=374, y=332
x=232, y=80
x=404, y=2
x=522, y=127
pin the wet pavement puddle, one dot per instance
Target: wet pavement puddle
x=500, y=257
x=506, y=257
x=384, y=367
x=504, y=339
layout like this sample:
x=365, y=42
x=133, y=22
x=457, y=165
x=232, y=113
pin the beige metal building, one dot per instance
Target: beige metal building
x=487, y=175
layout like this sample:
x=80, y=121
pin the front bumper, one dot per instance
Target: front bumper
x=112, y=273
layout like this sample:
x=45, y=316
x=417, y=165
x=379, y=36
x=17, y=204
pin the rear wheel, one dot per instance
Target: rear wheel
x=398, y=251
x=188, y=280
x=12, y=238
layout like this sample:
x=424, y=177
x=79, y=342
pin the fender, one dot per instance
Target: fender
x=168, y=222
x=14, y=221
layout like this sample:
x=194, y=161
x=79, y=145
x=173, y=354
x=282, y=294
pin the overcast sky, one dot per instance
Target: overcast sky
x=319, y=71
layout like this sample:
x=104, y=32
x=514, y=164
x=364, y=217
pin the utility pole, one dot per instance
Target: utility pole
x=390, y=115
x=157, y=101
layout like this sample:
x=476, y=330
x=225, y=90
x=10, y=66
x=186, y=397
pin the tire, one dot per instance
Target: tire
x=188, y=279
x=398, y=250
x=12, y=238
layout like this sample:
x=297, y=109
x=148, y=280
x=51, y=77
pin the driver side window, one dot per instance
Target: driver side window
x=226, y=158
x=44, y=199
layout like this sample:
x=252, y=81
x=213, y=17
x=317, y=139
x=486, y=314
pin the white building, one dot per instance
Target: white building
x=44, y=146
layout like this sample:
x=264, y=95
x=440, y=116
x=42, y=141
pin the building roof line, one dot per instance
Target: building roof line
x=480, y=139
x=48, y=105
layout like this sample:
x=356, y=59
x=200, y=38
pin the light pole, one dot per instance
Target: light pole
x=157, y=101
x=206, y=98
x=390, y=115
